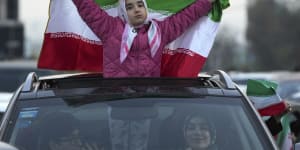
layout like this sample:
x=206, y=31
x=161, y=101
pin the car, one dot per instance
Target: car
x=241, y=78
x=288, y=88
x=288, y=81
x=5, y=146
x=85, y=109
x=4, y=100
x=12, y=74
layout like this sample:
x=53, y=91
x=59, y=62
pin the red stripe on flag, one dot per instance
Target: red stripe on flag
x=272, y=110
x=65, y=53
x=181, y=63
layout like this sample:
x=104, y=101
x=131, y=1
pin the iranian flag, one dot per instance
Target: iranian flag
x=265, y=98
x=69, y=44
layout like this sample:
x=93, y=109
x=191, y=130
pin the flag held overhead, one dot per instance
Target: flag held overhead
x=69, y=43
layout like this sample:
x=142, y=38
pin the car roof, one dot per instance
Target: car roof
x=64, y=80
x=33, y=84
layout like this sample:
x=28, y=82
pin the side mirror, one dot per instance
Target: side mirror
x=297, y=146
x=5, y=146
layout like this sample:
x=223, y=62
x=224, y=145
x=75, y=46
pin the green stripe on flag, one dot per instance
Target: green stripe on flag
x=173, y=6
x=261, y=88
x=105, y=3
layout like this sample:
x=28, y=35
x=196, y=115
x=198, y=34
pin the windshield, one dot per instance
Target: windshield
x=137, y=124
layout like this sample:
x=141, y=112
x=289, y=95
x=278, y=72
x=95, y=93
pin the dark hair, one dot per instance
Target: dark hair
x=212, y=128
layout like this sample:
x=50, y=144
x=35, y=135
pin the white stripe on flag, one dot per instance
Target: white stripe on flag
x=262, y=102
x=199, y=38
x=64, y=17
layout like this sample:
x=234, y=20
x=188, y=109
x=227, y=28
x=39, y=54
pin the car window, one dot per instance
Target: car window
x=139, y=123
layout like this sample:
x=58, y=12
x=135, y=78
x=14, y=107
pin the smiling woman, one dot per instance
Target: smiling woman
x=199, y=133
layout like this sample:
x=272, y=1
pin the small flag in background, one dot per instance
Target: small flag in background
x=264, y=97
x=69, y=44
x=284, y=138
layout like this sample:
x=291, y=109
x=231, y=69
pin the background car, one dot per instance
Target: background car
x=241, y=78
x=4, y=100
x=4, y=146
x=12, y=75
x=131, y=113
x=288, y=81
x=288, y=88
x=14, y=72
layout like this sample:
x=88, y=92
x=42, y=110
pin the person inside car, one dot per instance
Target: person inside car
x=199, y=133
x=60, y=131
x=133, y=42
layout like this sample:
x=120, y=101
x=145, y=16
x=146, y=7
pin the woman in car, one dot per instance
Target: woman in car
x=199, y=133
x=133, y=42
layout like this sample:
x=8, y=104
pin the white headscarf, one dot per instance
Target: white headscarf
x=154, y=35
